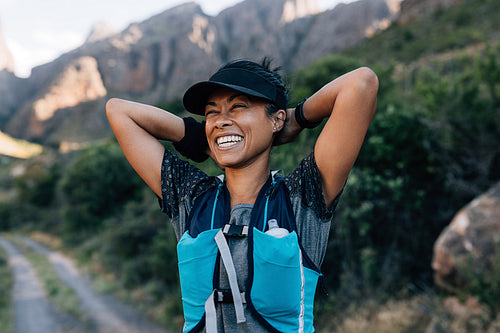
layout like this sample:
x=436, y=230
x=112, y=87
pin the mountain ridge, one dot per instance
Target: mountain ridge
x=157, y=59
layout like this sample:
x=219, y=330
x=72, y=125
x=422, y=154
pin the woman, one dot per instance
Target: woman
x=251, y=244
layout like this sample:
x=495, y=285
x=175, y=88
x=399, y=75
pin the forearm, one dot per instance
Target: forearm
x=349, y=104
x=138, y=129
x=357, y=87
x=158, y=123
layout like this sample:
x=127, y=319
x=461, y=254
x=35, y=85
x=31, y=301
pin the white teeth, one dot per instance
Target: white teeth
x=229, y=140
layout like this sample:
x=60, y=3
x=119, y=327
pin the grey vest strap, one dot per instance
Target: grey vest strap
x=227, y=260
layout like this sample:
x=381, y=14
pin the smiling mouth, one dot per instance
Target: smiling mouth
x=228, y=141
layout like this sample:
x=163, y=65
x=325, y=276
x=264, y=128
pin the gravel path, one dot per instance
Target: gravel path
x=32, y=310
x=105, y=312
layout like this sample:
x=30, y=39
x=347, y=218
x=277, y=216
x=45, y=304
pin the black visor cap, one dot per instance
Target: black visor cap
x=238, y=79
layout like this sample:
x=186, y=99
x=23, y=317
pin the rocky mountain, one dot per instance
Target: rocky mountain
x=10, y=86
x=157, y=59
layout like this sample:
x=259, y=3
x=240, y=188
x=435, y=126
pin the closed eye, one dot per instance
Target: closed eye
x=210, y=112
x=239, y=106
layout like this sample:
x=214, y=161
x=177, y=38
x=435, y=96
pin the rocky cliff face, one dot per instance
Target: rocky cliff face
x=79, y=82
x=159, y=58
x=10, y=86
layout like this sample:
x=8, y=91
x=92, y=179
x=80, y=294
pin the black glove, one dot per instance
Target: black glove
x=194, y=144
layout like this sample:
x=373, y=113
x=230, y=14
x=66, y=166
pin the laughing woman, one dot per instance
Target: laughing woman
x=250, y=243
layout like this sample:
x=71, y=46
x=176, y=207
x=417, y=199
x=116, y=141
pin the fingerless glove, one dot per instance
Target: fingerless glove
x=194, y=144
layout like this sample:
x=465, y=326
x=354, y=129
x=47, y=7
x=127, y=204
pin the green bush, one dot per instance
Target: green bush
x=6, y=284
x=15, y=215
x=38, y=185
x=94, y=186
x=482, y=281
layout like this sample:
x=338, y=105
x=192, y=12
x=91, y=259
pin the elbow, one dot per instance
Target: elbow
x=367, y=80
x=366, y=84
x=112, y=107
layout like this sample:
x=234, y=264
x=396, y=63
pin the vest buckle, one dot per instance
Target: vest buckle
x=225, y=296
x=233, y=230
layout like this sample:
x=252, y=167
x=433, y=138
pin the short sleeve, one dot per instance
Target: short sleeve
x=305, y=182
x=181, y=183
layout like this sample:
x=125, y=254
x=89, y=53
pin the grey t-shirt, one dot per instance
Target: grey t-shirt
x=183, y=183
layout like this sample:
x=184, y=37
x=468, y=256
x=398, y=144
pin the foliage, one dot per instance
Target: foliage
x=482, y=281
x=462, y=112
x=94, y=186
x=460, y=26
x=139, y=245
x=17, y=214
x=38, y=184
x=6, y=284
x=432, y=147
x=308, y=80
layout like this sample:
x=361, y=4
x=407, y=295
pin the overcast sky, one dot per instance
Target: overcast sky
x=37, y=31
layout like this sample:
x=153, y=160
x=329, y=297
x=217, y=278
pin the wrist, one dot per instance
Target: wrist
x=301, y=119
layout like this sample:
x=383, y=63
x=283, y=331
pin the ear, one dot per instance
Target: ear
x=279, y=119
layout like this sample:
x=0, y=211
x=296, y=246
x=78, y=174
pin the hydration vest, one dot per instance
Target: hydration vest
x=281, y=279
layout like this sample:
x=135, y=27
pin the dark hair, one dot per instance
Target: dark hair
x=264, y=70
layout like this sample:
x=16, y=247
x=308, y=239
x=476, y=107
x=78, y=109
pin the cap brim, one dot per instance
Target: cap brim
x=195, y=98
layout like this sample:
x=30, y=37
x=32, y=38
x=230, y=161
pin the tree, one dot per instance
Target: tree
x=94, y=186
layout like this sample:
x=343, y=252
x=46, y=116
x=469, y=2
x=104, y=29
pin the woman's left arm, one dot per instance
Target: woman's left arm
x=349, y=102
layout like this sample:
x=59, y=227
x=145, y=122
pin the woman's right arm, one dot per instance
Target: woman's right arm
x=138, y=129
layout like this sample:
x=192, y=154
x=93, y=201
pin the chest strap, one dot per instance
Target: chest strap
x=232, y=230
x=226, y=296
x=227, y=260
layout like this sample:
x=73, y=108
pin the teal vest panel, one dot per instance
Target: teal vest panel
x=275, y=264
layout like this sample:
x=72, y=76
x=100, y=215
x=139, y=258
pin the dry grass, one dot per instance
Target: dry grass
x=51, y=241
x=426, y=313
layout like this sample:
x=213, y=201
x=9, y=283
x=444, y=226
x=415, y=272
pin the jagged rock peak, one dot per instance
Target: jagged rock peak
x=101, y=30
x=294, y=9
x=6, y=59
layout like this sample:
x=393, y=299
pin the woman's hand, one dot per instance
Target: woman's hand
x=290, y=131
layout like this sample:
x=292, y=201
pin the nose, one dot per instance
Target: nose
x=223, y=120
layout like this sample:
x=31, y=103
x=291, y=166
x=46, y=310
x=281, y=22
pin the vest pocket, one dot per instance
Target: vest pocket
x=311, y=281
x=197, y=258
x=276, y=287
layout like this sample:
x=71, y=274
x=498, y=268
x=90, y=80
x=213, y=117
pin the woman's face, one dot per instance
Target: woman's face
x=239, y=130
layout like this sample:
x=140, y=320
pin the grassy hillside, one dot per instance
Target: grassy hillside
x=468, y=24
x=432, y=147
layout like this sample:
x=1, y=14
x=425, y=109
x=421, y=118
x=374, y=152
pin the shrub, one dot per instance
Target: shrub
x=94, y=186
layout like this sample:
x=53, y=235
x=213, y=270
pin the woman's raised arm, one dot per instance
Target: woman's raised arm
x=349, y=102
x=138, y=129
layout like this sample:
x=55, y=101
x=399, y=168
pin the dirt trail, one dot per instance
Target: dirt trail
x=32, y=310
x=105, y=312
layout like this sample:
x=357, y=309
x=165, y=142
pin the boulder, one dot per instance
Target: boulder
x=470, y=242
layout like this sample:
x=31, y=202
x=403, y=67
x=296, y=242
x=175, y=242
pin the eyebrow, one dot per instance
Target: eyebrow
x=229, y=99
